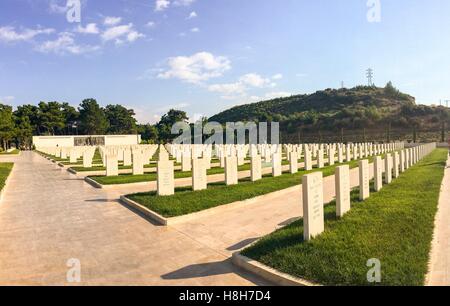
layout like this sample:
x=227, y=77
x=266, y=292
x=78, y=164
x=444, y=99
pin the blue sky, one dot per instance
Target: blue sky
x=204, y=56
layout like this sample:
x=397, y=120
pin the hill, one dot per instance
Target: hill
x=356, y=114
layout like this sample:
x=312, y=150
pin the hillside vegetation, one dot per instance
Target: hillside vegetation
x=356, y=113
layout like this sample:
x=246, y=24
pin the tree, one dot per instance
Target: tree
x=93, y=120
x=51, y=117
x=148, y=132
x=7, y=127
x=390, y=90
x=121, y=120
x=167, y=121
x=71, y=116
x=24, y=131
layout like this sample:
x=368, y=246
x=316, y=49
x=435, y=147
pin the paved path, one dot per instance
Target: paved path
x=439, y=274
x=50, y=216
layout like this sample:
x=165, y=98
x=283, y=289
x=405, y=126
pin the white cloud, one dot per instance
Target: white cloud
x=151, y=24
x=119, y=33
x=197, y=68
x=254, y=80
x=7, y=99
x=183, y=2
x=239, y=89
x=64, y=44
x=192, y=15
x=161, y=5
x=55, y=7
x=91, y=28
x=228, y=89
x=9, y=34
x=112, y=21
x=195, y=30
x=277, y=76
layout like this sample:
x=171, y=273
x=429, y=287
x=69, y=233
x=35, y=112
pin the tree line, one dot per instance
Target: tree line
x=57, y=119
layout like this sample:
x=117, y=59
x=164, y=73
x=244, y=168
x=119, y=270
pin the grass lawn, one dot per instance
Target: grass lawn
x=394, y=225
x=149, y=177
x=185, y=201
x=5, y=169
x=14, y=152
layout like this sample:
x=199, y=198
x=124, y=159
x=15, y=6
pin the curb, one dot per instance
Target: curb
x=2, y=192
x=207, y=212
x=268, y=273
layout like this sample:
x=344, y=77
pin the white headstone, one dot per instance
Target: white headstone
x=342, y=181
x=378, y=173
x=256, y=171
x=293, y=162
x=165, y=178
x=313, y=216
x=364, y=180
x=112, y=165
x=388, y=169
x=231, y=170
x=199, y=175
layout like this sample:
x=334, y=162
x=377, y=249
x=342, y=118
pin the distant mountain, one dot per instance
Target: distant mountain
x=356, y=114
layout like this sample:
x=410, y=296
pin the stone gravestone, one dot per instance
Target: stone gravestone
x=364, y=180
x=138, y=162
x=293, y=162
x=348, y=154
x=73, y=156
x=396, y=165
x=388, y=169
x=256, y=170
x=88, y=155
x=199, y=174
x=340, y=155
x=231, y=170
x=320, y=160
x=308, y=160
x=378, y=173
x=402, y=161
x=186, y=164
x=127, y=157
x=165, y=178
x=407, y=159
x=313, y=216
x=276, y=164
x=342, y=181
x=331, y=157
x=112, y=165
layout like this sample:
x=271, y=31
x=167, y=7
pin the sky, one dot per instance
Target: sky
x=205, y=56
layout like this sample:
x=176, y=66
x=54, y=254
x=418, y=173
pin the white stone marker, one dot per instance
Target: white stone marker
x=87, y=158
x=340, y=155
x=231, y=170
x=313, y=216
x=402, y=161
x=364, y=180
x=199, y=175
x=293, y=162
x=407, y=162
x=138, y=163
x=396, y=165
x=331, y=157
x=388, y=169
x=112, y=165
x=127, y=158
x=308, y=160
x=348, y=154
x=276, y=165
x=73, y=156
x=342, y=181
x=320, y=161
x=165, y=179
x=186, y=163
x=256, y=170
x=378, y=173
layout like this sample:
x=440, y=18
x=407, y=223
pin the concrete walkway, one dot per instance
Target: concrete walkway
x=50, y=216
x=439, y=274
